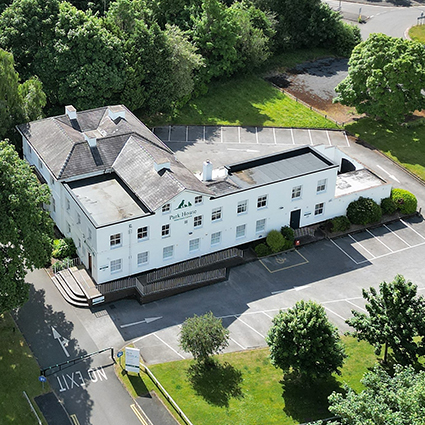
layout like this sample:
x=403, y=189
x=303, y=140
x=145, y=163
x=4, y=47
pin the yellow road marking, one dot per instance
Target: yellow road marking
x=74, y=419
x=139, y=415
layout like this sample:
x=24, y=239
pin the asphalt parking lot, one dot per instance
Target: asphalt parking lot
x=288, y=277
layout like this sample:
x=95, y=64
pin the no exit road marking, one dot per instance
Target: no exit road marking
x=78, y=379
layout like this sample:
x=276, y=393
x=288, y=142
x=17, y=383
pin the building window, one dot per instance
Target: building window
x=166, y=208
x=78, y=219
x=116, y=266
x=242, y=207
x=142, y=233
x=198, y=200
x=89, y=232
x=68, y=205
x=165, y=231
x=115, y=240
x=318, y=209
x=53, y=204
x=68, y=227
x=40, y=164
x=215, y=238
x=194, y=245
x=262, y=201
x=260, y=225
x=197, y=221
x=216, y=214
x=142, y=258
x=29, y=149
x=321, y=185
x=240, y=231
x=167, y=252
x=296, y=192
x=52, y=181
x=79, y=243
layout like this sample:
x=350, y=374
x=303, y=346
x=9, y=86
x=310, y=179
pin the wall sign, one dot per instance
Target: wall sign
x=182, y=215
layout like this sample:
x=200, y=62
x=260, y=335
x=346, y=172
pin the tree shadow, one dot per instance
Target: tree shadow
x=216, y=383
x=306, y=399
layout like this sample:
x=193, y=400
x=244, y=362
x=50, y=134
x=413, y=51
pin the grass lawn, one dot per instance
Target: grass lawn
x=246, y=389
x=19, y=372
x=402, y=143
x=249, y=101
x=417, y=33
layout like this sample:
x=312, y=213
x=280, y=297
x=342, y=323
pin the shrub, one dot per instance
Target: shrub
x=364, y=211
x=288, y=233
x=406, y=202
x=388, y=206
x=262, y=250
x=340, y=224
x=275, y=240
x=63, y=248
x=63, y=264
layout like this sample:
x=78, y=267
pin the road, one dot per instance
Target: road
x=390, y=20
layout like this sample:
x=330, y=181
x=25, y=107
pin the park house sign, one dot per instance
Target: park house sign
x=182, y=215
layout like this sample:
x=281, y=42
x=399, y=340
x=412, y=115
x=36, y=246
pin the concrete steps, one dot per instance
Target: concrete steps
x=69, y=288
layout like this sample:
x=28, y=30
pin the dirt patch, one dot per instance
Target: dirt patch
x=314, y=83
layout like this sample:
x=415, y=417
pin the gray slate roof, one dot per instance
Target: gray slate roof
x=124, y=145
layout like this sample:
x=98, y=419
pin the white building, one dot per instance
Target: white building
x=131, y=206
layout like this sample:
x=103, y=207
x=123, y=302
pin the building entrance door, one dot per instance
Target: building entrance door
x=295, y=219
x=90, y=263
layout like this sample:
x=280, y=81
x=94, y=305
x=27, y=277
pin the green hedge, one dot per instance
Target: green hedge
x=275, y=240
x=340, y=224
x=364, y=211
x=405, y=201
x=388, y=206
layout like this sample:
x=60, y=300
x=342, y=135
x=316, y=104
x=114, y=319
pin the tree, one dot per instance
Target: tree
x=303, y=339
x=203, y=336
x=387, y=399
x=395, y=316
x=18, y=102
x=385, y=78
x=83, y=63
x=25, y=229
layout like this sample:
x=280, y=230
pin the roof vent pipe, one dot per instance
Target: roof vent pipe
x=207, y=170
x=71, y=112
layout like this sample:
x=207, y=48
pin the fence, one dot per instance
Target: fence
x=189, y=265
x=117, y=285
x=177, y=282
x=65, y=264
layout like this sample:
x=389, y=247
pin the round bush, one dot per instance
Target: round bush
x=406, y=201
x=340, y=224
x=288, y=233
x=364, y=211
x=275, y=240
x=262, y=250
x=388, y=206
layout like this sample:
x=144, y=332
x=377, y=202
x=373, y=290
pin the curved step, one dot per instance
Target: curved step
x=66, y=296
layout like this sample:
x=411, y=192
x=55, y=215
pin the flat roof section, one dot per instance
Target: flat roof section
x=278, y=167
x=106, y=200
x=355, y=181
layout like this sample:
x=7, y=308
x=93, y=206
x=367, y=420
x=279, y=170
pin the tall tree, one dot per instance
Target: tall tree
x=18, y=102
x=203, y=336
x=83, y=64
x=395, y=316
x=386, y=76
x=303, y=340
x=390, y=399
x=25, y=228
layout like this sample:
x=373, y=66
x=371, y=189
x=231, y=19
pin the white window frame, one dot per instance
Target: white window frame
x=319, y=208
x=260, y=225
x=321, y=186
x=240, y=231
x=199, y=200
x=116, y=266
x=165, y=231
x=242, y=207
x=53, y=204
x=115, y=240
x=215, y=238
x=142, y=256
x=169, y=250
x=217, y=214
x=197, y=221
x=89, y=232
x=79, y=243
x=78, y=218
x=68, y=204
x=68, y=228
x=262, y=201
x=144, y=230
x=296, y=192
x=52, y=180
x=194, y=245
x=166, y=208
x=40, y=163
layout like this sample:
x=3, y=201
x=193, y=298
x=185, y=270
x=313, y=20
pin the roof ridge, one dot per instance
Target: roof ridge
x=66, y=162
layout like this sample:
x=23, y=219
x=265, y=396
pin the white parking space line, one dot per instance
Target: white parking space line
x=370, y=233
x=237, y=343
x=329, y=139
x=363, y=247
x=168, y=345
x=348, y=255
x=204, y=134
x=250, y=327
x=309, y=135
x=292, y=135
x=390, y=253
x=336, y=314
x=274, y=136
x=268, y=315
x=256, y=134
x=346, y=138
x=355, y=305
x=341, y=299
x=411, y=228
x=239, y=134
x=395, y=234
